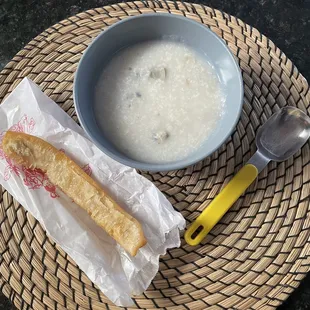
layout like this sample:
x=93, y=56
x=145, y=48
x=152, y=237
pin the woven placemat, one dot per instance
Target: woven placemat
x=259, y=252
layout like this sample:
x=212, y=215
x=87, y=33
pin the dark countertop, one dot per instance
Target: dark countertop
x=287, y=23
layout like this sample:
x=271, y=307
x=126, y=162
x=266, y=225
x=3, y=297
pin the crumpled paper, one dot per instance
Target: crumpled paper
x=116, y=273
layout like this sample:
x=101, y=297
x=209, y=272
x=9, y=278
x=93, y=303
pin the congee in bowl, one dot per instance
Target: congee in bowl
x=158, y=101
x=158, y=92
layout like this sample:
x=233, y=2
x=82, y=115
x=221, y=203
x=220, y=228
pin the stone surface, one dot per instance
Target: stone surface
x=287, y=23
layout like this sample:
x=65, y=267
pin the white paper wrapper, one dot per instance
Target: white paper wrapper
x=116, y=273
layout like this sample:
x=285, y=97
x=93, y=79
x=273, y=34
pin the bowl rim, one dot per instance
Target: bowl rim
x=169, y=166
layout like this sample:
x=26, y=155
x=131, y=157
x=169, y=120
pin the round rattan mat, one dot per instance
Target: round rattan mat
x=259, y=252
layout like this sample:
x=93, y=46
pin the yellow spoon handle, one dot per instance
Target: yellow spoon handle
x=220, y=204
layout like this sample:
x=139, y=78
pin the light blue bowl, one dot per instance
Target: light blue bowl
x=154, y=27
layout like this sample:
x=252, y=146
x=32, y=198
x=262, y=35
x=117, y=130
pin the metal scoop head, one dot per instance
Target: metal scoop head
x=284, y=133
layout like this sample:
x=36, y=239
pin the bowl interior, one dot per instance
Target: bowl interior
x=158, y=27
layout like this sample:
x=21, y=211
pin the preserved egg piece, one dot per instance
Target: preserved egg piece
x=158, y=73
x=161, y=136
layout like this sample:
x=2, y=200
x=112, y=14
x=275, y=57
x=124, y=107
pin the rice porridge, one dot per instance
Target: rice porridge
x=158, y=101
